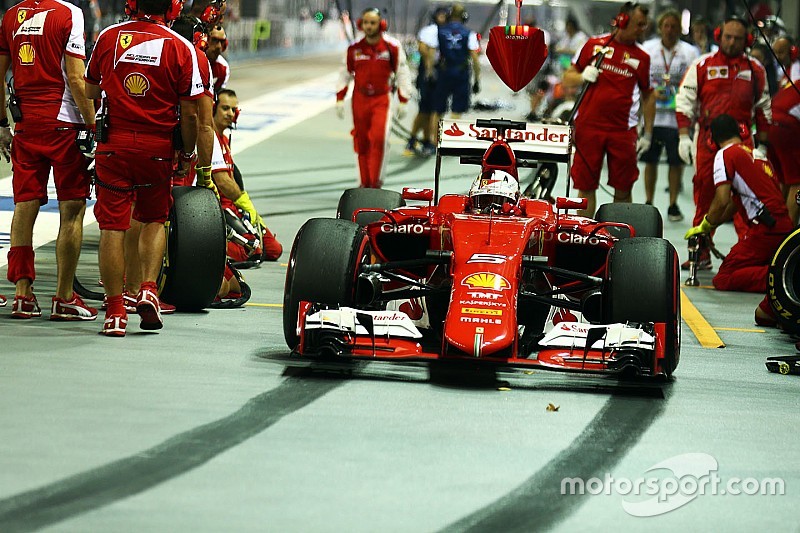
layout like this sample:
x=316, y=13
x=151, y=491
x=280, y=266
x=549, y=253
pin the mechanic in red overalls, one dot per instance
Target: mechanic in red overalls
x=725, y=81
x=784, y=148
x=749, y=186
x=43, y=44
x=372, y=62
x=232, y=196
x=607, y=118
x=147, y=71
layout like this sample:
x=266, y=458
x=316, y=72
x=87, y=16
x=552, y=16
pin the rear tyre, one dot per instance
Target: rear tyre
x=195, y=257
x=323, y=267
x=643, y=286
x=354, y=199
x=645, y=219
x=783, y=283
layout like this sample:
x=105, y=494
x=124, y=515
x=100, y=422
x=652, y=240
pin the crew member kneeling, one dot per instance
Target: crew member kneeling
x=757, y=197
x=146, y=71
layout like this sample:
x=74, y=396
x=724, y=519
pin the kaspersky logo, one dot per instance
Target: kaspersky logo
x=486, y=280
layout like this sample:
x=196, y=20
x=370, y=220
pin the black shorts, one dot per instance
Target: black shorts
x=663, y=138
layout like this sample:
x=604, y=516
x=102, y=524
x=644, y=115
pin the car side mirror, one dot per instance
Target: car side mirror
x=412, y=193
x=571, y=203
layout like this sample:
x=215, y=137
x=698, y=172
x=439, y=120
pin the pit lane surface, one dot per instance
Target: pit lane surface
x=205, y=426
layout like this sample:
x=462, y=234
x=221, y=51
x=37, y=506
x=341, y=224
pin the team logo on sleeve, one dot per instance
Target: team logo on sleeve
x=140, y=48
x=136, y=84
x=26, y=54
x=31, y=24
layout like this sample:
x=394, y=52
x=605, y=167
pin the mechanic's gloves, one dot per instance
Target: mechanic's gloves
x=476, y=86
x=5, y=142
x=204, y=179
x=85, y=139
x=685, y=146
x=705, y=227
x=760, y=152
x=401, y=111
x=245, y=204
x=340, y=109
x=643, y=144
x=590, y=74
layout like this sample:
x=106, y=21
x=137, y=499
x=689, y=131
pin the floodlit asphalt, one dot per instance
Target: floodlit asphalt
x=205, y=426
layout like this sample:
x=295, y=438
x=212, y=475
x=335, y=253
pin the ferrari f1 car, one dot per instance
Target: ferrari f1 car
x=487, y=276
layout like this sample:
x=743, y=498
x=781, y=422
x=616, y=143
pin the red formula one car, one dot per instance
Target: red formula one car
x=487, y=276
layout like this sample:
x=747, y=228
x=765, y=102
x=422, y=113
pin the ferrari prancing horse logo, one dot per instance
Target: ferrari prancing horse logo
x=22, y=14
x=125, y=40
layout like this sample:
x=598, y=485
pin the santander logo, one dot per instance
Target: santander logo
x=454, y=131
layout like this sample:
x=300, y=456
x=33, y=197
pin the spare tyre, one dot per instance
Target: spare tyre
x=354, y=199
x=783, y=283
x=194, y=261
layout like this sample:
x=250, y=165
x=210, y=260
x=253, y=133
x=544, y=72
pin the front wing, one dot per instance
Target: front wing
x=568, y=346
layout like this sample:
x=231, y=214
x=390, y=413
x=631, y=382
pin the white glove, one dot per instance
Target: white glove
x=401, y=111
x=685, y=146
x=340, y=109
x=760, y=152
x=5, y=142
x=643, y=144
x=590, y=74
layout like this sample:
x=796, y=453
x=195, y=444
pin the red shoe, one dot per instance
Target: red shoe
x=25, y=307
x=3, y=301
x=149, y=308
x=114, y=325
x=74, y=309
x=764, y=315
x=166, y=309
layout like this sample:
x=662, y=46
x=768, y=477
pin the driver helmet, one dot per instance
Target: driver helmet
x=492, y=189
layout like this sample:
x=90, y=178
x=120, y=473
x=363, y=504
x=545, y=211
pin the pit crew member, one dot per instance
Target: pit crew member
x=232, y=196
x=784, y=150
x=220, y=69
x=669, y=59
x=725, y=81
x=371, y=63
x=607, y=118
x=134, y=162
x=43, y=44
x=749, y=186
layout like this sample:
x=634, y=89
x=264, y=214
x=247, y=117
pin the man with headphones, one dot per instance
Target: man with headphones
x=669, y=59
x=42, y=42
x=725, y=81
x=147, y=72
x=607, y=118
x=748, y=186
x=209, y=13
x=372, y=63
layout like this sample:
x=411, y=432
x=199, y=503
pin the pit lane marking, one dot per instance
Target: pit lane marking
x=706, y=335
x=249, y=304
x=744, y=330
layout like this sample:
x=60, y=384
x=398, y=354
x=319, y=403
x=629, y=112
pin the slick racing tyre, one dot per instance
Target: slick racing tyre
x=645, y=219
x=353, y=199
x=195, y=257
x=323, y=267
x=642, y=285
x=783, y=283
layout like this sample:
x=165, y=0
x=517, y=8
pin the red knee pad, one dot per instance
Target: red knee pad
x=228, y=274
x=20, y=264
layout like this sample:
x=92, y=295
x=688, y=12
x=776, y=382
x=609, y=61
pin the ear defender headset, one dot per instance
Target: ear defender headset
x=213, y=12
x=623, y=18
x=200, y=37
x=749, y=39
x=384, y=26
x=744, y=134
x=236, y=110
x=172, y=13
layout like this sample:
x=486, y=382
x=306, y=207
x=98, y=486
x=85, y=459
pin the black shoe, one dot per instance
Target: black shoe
x=674, y=213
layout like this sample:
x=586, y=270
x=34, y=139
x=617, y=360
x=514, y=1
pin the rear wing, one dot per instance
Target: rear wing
x=531, y=142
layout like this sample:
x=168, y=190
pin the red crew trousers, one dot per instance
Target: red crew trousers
x=745, y=267
x=370, y=135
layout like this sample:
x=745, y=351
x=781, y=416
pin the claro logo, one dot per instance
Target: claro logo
x=574, y=238
x=405, y=229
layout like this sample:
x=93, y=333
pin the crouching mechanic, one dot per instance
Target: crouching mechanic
x=232, y=197
x=147, y=71
x=749, y=186
x=42, y=43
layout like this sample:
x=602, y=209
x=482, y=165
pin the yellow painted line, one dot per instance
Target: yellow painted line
x=700, y=287
x=284, y=264
x=745, y=330
x=705, y=334
x=250, y=304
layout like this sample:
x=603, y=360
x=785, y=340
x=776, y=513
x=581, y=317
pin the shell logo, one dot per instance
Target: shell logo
x=136, y=84
x=26, y=54
x=22, y=14
x=486, y=280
